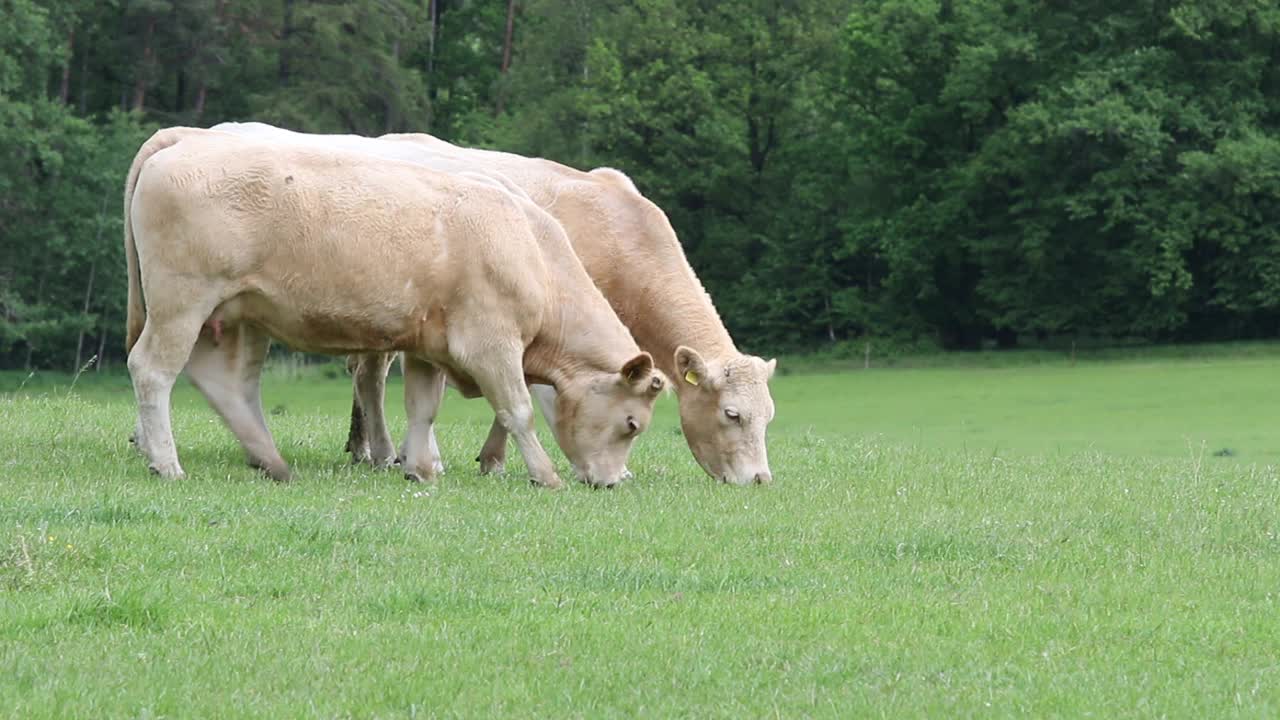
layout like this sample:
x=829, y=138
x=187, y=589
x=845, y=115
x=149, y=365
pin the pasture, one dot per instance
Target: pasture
x=1040, y=539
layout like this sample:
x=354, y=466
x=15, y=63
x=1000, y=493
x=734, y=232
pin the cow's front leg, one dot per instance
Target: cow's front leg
x=423, y=392
x=136, y=438
x=503, y=386
x=493, y=456
x=435, y=452
x=370, y=380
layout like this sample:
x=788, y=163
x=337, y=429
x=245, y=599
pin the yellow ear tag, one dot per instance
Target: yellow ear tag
x=691, y=377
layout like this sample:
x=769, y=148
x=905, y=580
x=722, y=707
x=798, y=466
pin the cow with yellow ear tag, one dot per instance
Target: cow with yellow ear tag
x=725, y=408
x=629, y=248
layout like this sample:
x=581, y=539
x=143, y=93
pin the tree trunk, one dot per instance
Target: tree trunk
x=198, y=108
x=286, y=34
x=433, y=11
x=506, y=56
x=84, y=83
x=26, y=365
x=831, y=327
x=202, y=86
x=88, y=295
x=180, y=92
x=64, y=91
x=1006, y=339
x=144, y=67
x=586, y=122
x=389, y=100
x=93, y=270
x=102, y=344
x=506, y=42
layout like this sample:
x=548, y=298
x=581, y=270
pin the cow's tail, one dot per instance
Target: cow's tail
x=137, y=310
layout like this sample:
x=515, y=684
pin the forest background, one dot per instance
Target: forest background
x=903, y=174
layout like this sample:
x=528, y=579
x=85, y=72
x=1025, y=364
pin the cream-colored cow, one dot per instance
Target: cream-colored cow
x=233, y=240
x=370, y=440
x=631, y=252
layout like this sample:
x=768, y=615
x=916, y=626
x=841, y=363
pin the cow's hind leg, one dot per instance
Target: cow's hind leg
x=357, y=441
x=256, y=344
x=227, y=372
x=370, y=380
x=493, y=456
x=545, y=395
x=154, y=364
x=423, y=392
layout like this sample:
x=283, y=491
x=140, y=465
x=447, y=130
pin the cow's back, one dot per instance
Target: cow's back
x=334, y=251
x=624, y=241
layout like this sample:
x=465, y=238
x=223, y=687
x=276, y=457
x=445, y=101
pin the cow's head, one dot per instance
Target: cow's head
x=600, y=416
x=725, y=408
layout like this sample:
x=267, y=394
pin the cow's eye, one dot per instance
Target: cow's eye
x=732, y=414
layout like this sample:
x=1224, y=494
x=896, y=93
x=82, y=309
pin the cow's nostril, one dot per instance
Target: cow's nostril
x=763, y=478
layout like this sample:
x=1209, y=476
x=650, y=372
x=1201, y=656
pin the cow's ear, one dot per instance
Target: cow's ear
x=638, y=368
x=771, y=366
x=690, y=367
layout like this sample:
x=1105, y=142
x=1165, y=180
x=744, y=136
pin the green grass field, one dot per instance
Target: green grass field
x=1038, y=540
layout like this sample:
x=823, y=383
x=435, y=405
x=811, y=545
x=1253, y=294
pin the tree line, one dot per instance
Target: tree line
x=947, y=173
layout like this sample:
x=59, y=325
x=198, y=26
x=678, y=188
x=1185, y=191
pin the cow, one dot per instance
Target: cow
x=232, y=241
x=631, y=252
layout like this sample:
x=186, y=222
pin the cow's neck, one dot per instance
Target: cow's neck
x=633, y=255
x=580, y=332
x=658, y=297
x=662, y=336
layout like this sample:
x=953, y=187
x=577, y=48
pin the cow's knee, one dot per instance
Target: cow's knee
x=516, y=419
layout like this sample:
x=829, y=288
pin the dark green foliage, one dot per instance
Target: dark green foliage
x=930, y=171
x=1045, y=167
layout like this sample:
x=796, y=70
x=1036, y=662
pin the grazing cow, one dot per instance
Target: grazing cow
x=631, y=252
x=232, y=241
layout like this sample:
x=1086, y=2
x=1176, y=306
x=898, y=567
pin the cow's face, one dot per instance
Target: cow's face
x=725, y=409
x=599, y=418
